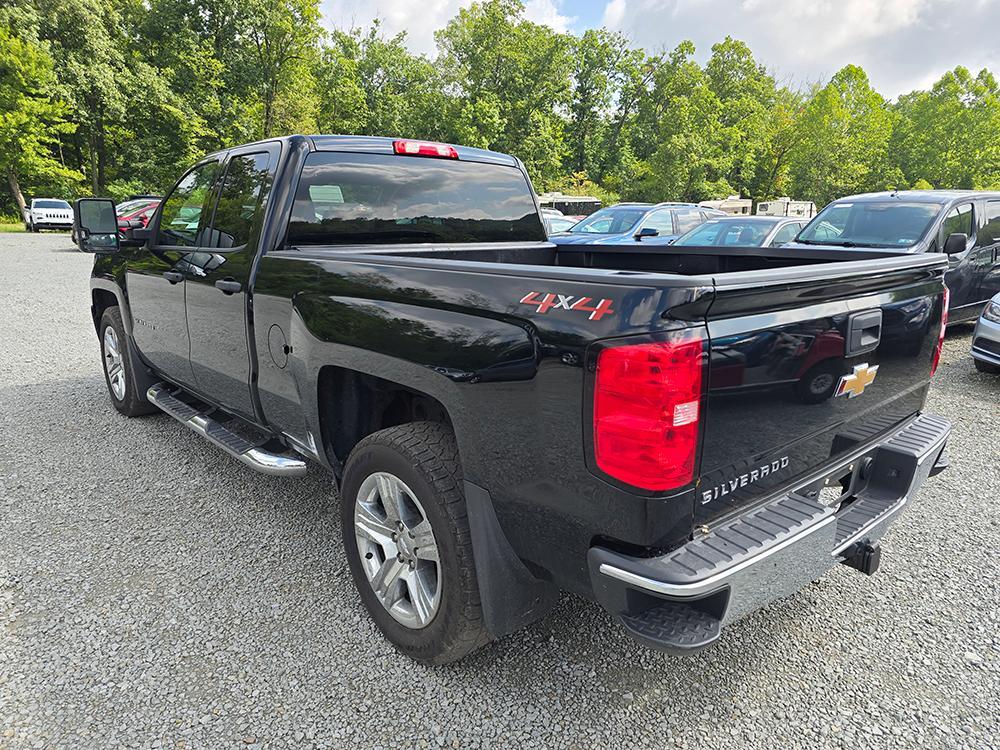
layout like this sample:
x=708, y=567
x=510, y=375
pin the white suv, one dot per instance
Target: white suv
x=48, y=213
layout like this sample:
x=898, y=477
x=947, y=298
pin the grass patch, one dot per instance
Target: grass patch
x=12, y=227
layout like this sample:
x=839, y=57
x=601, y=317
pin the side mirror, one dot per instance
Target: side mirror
x=646, y=232
x=956, y=243
x=97, y=225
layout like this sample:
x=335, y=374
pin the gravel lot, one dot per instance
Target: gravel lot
x=155, y=593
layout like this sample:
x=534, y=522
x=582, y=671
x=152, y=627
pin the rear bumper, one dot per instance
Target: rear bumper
x=679, y=602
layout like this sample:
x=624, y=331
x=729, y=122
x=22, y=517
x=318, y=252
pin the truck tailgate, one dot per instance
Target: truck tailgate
x=806, y=364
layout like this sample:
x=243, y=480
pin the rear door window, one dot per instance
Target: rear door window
x=687, y=219
x=388, y=199
x=240, y=199
x=991, y=232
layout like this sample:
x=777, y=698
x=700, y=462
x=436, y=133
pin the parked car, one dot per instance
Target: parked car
x=48, y=213
x=632, y=223
x=506, y=417
x=743, y=231
x=557, y=224
x=139, y=210
x=964, y=225
x=986, y=339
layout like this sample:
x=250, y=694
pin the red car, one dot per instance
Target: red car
x=140, y=209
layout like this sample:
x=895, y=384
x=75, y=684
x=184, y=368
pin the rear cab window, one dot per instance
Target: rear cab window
x=351, y=198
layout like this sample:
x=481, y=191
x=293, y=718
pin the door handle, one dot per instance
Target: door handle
x=228, y=286
x=173, y=276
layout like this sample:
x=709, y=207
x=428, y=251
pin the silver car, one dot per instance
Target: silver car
x=986, y=339
x=743, y=231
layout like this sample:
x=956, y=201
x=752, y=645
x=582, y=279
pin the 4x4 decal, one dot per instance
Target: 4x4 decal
x=548, y=301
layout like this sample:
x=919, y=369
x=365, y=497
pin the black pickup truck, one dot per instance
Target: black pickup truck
x=681, y=434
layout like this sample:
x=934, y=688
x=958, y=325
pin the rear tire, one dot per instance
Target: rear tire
x=988, y=367
x=127, y=391
x=414, y=462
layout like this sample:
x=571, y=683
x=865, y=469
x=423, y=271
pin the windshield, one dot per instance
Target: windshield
x=890, y=223
x=719, y=232
x=373, y=198
x=50, y=204
x=614, y=220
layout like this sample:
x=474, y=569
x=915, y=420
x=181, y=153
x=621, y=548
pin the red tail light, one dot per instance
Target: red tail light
x=944, y=325
x=424, y=148
x=646, y=412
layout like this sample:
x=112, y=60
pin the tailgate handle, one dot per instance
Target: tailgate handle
x=864, y=330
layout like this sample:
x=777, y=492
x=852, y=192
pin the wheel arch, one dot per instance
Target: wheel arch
x=353, y=404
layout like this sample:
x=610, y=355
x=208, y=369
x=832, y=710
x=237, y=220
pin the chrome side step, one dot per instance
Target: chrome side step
x=235, y=445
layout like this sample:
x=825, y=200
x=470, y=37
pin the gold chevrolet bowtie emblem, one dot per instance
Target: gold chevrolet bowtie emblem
x=855, y=383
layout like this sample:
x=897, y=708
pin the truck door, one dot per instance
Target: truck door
x=961, y=276
x=219, y=278
x=988, y=259
x=155, y=276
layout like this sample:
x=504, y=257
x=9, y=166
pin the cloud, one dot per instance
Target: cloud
x=421, y=18
x=903, y=44
x=418, y=18
x=548, y=12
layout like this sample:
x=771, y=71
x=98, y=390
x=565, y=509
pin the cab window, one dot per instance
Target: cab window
x=186, y=212
x=960, y=219
x=786, y=234
x=661, y=221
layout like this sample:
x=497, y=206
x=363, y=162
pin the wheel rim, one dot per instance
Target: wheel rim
x=113, y=363
x=821, y=383
x=398, y=551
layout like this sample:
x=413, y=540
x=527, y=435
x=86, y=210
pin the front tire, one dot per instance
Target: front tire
x=987, y=367
x=408, y=545
x=127, y=393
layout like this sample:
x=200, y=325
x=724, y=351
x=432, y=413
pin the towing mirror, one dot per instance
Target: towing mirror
x=646, y=232
x=956, y=243
x=96, y=224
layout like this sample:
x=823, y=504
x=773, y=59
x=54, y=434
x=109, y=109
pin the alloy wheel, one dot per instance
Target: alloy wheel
x=113, y=363
x=399, y=554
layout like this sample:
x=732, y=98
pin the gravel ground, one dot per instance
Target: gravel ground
x=155, y=593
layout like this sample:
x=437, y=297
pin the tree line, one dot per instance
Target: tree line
x=114, y=97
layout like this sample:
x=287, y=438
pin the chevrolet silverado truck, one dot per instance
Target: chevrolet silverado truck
x=682, y=434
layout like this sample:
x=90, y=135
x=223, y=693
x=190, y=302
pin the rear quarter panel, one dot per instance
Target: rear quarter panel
x=510, y=374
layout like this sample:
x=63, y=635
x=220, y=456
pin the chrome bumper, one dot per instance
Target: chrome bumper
x=679, y=602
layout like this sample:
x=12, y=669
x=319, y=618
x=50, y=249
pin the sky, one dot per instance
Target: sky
x=902, y=44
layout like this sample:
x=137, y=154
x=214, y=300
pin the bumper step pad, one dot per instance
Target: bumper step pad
x=681, y=625
x=253, y=454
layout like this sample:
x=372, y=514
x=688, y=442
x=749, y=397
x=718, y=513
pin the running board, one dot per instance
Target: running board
x=237, y=446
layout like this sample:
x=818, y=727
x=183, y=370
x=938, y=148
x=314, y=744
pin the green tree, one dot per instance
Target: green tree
x=507, y=77
x=948, y=136
x=31, y=123
x=842, y=143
